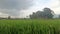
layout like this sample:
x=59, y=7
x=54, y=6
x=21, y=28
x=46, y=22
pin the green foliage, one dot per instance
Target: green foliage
x=46, y=13
x=33, y=26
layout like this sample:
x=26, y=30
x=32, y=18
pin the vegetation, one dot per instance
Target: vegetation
x=30, y=26
x=46, y=13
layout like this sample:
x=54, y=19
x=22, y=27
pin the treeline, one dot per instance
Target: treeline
x=46, y=13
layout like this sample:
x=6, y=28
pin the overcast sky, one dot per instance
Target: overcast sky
x=22, y=8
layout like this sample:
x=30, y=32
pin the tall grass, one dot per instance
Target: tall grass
x=32, y=26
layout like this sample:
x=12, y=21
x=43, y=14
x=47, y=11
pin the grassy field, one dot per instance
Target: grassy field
x=32, y=26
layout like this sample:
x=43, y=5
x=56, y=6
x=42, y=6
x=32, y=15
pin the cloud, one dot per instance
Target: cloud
x=25, y=7
x=53, y=4
x=40, y=4
x=13, y=7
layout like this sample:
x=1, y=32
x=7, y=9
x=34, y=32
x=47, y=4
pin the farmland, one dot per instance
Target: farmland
x=30, y=26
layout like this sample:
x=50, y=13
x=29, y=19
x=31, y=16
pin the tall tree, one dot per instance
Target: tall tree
x=46, y=13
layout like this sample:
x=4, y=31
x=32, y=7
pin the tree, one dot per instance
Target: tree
x=9, y=17
x=59, y=16
x=46, y=13
x=33, y=15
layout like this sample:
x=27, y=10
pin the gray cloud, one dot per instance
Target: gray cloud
x=13, y=7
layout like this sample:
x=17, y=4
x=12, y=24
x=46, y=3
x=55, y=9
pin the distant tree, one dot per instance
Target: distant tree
x=46, y=13
x=33, y=15
x=39, y=14
x=9, y=17
x=59, y=16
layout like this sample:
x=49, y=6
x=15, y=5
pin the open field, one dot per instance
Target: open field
x=32, y=26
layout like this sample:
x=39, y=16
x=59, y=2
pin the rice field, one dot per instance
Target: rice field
x=30, y=26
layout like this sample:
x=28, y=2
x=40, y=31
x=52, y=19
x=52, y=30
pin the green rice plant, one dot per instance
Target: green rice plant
x=30, y=26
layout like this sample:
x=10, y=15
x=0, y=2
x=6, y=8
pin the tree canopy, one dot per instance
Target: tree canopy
x=46, y=13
